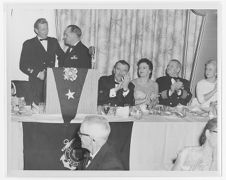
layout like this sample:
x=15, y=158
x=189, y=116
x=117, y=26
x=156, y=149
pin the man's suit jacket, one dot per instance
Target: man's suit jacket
x=106, y=159
x=165, y=83
x=34, y=58
x=105, y=84
x=78, y=57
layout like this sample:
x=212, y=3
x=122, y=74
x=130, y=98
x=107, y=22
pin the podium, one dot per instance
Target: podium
x=87, y=102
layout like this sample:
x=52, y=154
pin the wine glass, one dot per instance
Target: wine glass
x=106, y=108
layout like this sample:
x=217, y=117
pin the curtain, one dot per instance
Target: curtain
x=132, y=34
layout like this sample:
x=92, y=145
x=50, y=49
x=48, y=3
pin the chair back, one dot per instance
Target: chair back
x=23, y=89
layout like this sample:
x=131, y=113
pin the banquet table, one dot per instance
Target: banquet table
x=153, y=143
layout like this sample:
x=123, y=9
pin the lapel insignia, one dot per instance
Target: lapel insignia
x=74, y=57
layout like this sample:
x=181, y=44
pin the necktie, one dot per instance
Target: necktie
x=69, y=49
x=87, y=160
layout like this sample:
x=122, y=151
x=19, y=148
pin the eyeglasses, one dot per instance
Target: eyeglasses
x=84, y=134
x=213, y=131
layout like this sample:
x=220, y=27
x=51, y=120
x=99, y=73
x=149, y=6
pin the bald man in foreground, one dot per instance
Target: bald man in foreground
x=94, y=132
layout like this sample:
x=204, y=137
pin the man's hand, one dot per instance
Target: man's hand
x=41, y=75
x=118, y=87
x=154, y=96
x=173, y=87
x=179, y=85
x=125, y=82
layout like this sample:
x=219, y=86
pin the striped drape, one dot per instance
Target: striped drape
x=131, y=34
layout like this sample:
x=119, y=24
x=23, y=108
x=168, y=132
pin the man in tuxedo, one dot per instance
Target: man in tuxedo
x=116, y=89
x=37, y=55
x=173, y=90
x=94, y=132
x=77, y=54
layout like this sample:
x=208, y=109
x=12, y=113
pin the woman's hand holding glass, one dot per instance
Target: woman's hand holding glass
x=153, y=100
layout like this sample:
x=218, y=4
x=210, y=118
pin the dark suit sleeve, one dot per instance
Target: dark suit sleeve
x=25, y=60
x=60, y=54
x=103, y=91
x=86, y=58
x=113, y=164
x=163, y=91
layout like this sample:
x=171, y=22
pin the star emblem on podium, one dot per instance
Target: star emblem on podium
x=70, y=95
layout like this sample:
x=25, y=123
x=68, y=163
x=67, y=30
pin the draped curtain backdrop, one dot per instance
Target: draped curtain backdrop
x=128, y=34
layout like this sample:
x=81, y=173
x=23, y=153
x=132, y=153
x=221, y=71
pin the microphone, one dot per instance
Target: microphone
x=92, y=53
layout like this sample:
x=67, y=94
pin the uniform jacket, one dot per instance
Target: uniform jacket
x=105, y=84
x=173, y=100
x=78, y=57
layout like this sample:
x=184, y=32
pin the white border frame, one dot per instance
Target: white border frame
x=123, y=5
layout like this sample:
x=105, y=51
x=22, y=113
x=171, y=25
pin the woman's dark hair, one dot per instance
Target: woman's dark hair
x=148, y=62
x=211, y=125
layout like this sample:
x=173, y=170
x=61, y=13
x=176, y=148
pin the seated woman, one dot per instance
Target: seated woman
x=206, y=89
x=200, y=158
x=146, y=90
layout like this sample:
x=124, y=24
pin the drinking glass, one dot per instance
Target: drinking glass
x=41, y=107
x=106, y=108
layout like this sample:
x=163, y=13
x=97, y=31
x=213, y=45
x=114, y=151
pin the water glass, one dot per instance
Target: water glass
x=106, y=108
x=41, y=107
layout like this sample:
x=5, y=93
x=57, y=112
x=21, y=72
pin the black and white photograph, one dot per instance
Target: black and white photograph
x=103, y=90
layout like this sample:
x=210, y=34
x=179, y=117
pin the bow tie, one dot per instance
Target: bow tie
x=175, y=78
x=43, y=39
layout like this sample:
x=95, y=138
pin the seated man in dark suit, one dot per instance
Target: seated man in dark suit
x=77, y=54
x=94, y=132
x=173, y=90
x=116, y=89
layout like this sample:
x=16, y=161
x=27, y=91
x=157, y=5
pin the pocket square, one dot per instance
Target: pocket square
x=74, y=57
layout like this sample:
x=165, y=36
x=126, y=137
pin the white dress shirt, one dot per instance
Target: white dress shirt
x=44, y=43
